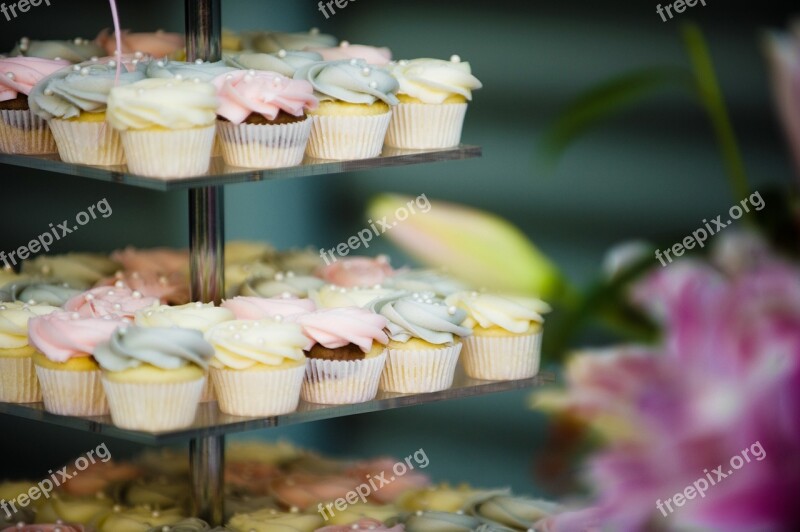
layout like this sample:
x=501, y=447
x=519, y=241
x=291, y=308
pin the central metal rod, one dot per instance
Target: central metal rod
x=206, y=249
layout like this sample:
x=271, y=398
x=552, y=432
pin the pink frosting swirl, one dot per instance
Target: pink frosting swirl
x=259, y=308
x=157, y=44
x=244, y=92
x=109, y=301
x=382, y=468
x=338, y=327
x=99, y=476
x=56, y=527
x=371, y=54
x=251, y=476
x=18, y=75
x=161, y=261
x=363, y=524
x=61, y=336
x=357, y=271
x=305, y=491
x=170, y=289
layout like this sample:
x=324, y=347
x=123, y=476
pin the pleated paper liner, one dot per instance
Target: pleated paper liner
x=153, y=407
x=348, y=137
x=25, y=133
x=420, y=370
x=209, y=394
x=263, y=145
x=340, y=382
x=94, y=143
x=502, y=358
x=419, y=126
x=72, y=393
x=258, y=393
x=179, y=153
x=18, y=382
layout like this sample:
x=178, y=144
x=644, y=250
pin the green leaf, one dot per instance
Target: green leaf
x=607, y=100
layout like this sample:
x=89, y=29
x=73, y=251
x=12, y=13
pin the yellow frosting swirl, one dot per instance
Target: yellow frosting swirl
x=166, y=103
x=244, y=345
x=14, y=322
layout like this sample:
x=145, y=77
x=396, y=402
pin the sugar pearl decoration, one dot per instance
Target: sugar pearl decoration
x=160, y=63
x=314, y=31
x=56, y=59
x=112, y=63
x=366, y=71
x=48, y=92
x=178, y=77
x=10, y=75
x=94, y=58
x=452, y=310
x=84, y=71
x=344, y=44
x=198, y=61
x=455, y=58
x=76, y=68
x=89, y=297
x=138, y=55
x=281, y=53
x=354, y=62
x=373, y=84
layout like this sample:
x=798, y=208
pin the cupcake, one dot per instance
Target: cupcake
x=355, y=108
x=433, y=98
x=166, y=125
x=269, y=520
x=154, y=377
x=284, y=62
x=345, y=52
x=281, y=284
x=38, y=292
x=425, y=342
x=109, y=301
x=425, y=281
x=169, y=289
x=357, y=271
x=67, y=372
x=262, y=118
x=516, y=513
x=21, y=131
x=156, y=44
x=74, y=51
x=305, y=491
x=260, y=308
x=74, y=104
x=18, y=383
x=89, y=510
x=275, y=41
x=377, y=468
x=507, y=335
x=79, y=270
x=162, y=261
x=346, y=351
x=258, y=366
x=333, y=296
x=198, y=316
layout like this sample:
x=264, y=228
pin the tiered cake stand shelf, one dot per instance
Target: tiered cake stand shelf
x=206, y=229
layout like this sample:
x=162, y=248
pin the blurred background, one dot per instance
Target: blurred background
x=652, y=174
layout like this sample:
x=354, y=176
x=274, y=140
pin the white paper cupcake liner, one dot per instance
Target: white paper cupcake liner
x=209, y=394
x=95, y=143
x=419, y=126
x=153, y=407
x=18, y=382
x=264, y=145
x=502, y=358
x=348, y=137
x=24, y=132
x=343, y=382
x=420, y=370
x=72, y=393
x=179, y=153
x=258, y=393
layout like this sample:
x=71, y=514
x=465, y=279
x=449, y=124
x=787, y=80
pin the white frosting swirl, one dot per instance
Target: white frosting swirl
x=168, y=103
x=198, y=316
x=350, y=81
x=187, y=70
x=241, y=345
x=433, y=80
x=14, y=319
x=281, y=284
x=514, y=314
x=333, y=296
x=422, y=316
x=284, y=62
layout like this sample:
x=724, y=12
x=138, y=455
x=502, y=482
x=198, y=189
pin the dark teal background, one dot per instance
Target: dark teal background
x=653, y=173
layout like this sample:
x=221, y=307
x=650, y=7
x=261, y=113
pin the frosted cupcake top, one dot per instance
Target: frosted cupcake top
x=168, y=349
x=339, y=327
x=514, y=512
x=56, y=527
x=259, y=308
x=198, y=316
x=274, y=41
x=18, y=75
x=352, y=81
x=362, y=524
x=425, y=281
x=284, y=62
x=357, y=271
x=74, y=51
x=346, y=51
x=109, y=301
x=241, y=345
x=170, y=289
x=272, y=520
x=61, y=336
x=191, y=524
x=333, y=296
x=14, y=318
x=514, y=314
x=33, y=291
x=452, y=522
x=168, y=103
x=141, y=518
x=421, y=315
x=433, y=80
x=281, y=284
x=200, y=70
x=242, y=93
x=82, y=89
x=159, y=260
x=77, y=269
x=157, y=44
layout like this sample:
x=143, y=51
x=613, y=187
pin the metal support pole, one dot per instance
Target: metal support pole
x=206, y=247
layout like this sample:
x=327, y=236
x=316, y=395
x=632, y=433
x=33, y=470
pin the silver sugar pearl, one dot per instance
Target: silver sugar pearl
x=455, y=58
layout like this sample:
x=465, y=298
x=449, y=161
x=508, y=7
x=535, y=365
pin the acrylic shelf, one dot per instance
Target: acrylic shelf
x=210, y=422
x=221, y=174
